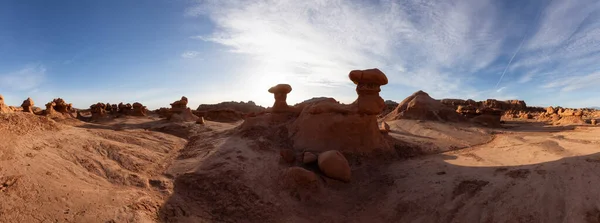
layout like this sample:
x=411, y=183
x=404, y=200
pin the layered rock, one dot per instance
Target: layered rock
x=368, y=83
x=421, y=106
x=490, y=117
x=27, y=105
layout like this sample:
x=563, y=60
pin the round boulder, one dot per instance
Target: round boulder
x=334, y=165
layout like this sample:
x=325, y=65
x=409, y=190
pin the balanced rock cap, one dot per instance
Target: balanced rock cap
x=281, y=88
x=374, y=76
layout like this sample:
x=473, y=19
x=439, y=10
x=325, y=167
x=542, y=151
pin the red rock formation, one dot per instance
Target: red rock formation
x=61, y=106
x=27, y=105
x=421, y=106
x=179, y=111
x=368, y=83
x=98, y=111
x=138, y=109
x=334, y=165
x=280, y=92
x=3, y=107
x=324, y=124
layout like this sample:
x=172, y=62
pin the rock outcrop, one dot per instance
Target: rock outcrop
x=27, y=105
x=138, y=109
x=179, y=111
x=490, y=117
x=324, y=124
x=3, y=107
x=421, y=106
x=98, y=111
x=334, y=165
x=280, y=92
x=368, y=83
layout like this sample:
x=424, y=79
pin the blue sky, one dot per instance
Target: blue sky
x=543, y=52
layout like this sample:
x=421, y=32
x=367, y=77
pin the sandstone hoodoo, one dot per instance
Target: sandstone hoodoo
x=280, y=92
x=368, y=83
x=325, y=124
x=27, y=105
x=3, y=107
x=138, y=109
x=334, y=165
x=421, y=106
x=179, y=111
x=98, y=111
x=61, y=106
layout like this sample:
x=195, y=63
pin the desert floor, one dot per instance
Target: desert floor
x=148, y=170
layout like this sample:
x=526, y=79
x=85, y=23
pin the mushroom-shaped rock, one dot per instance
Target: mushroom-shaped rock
x=50, y=108
x=334, y=165
x=180, y=105
x=368, y=84
x=138, y=109
x=27, y=105
x=61, y=106
x=280, y=92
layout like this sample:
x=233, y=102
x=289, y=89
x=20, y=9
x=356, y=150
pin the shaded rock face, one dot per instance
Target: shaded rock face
x=27, y=105
x=125, y=109
x=242, y=107
x=138, y=109
x=421, y=106
x=368, y=83
x=280, y=92
x=221, y=115
x=301, y=183
x=389, y=107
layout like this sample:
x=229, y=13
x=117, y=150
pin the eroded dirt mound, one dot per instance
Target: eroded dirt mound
x=24, y=123
x=58, y=173
x=421, y=106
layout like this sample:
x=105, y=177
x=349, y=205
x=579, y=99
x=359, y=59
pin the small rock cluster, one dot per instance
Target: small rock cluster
x=305, y=183
x=179, y=112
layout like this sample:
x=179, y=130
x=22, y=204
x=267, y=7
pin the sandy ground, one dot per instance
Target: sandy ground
x=147, y=170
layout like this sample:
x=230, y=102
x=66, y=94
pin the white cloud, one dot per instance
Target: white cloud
x=447, y=48
x=190, y=54
x=27, y=78
x=426, y=46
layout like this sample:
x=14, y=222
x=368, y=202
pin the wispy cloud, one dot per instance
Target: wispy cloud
x=190, y=54
x=448, y=48
x=27, y=78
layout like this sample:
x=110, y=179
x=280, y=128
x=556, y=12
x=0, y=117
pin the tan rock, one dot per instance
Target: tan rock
x=593, y=121
x=3, y=107
x=98, y=111
x=334, y=165
x=368, y=83
x=280, y=92
x=384, y=128
x=309, y=158
x=200, y=121
x=27, y=105
x=50, y=108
